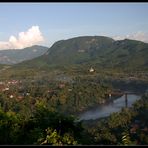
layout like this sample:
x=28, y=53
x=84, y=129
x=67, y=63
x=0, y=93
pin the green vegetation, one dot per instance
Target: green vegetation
x=46, y=127
x=62, y=92
x=13, y=56
x=43, y=127
x=98, y=51
x=41, y=98
x=128, y=127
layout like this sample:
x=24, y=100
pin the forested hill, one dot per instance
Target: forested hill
x=95, y=50
x=13, y=56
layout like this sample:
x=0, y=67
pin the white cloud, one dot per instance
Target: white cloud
x=141, y=36
x=25, y=39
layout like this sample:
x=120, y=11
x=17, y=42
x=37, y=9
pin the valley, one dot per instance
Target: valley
x=44, y=94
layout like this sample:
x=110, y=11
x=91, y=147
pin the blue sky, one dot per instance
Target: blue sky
x=58, y=21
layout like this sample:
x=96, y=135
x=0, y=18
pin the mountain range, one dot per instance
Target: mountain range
x=98, y=51
x=14, y=56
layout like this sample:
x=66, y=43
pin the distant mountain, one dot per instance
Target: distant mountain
x=72, y=51
x=13, y=56
x=94, y=50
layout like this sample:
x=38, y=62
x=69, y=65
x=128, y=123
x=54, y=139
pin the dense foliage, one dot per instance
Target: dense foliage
x=128, y=127
x=43, y=126
x=99, y=51
x=40, y=98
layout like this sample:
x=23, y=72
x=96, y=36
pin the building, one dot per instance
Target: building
x=91, y=70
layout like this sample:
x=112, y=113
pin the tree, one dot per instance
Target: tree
x=54, y=138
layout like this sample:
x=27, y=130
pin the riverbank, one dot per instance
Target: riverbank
x=105, y=102
x=106, y=109
x=119, y=87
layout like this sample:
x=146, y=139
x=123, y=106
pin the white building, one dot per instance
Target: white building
x=91, y=70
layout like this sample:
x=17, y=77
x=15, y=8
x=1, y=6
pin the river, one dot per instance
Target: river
x=105, y=110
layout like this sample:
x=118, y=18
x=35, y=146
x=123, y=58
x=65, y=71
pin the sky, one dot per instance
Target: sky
x=26, y=24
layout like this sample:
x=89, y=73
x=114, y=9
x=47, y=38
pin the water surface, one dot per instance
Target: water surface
x=106, y=109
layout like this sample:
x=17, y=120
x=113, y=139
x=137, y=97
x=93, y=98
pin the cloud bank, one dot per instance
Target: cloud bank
x=25, y=39
x=141, y=36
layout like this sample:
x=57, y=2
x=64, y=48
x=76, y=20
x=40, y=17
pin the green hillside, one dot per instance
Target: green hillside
x=127, y=54
x=97, y=51
x=14, y=56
